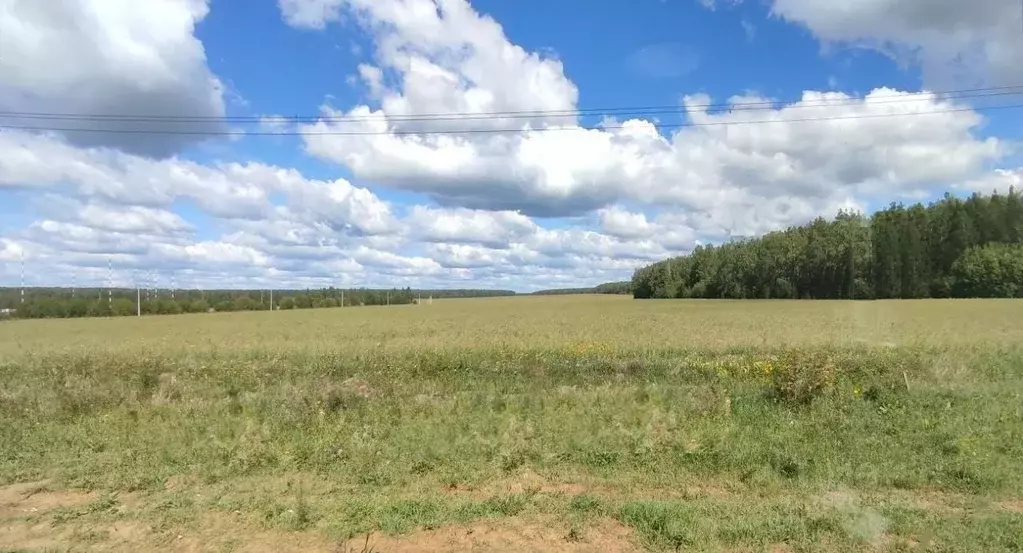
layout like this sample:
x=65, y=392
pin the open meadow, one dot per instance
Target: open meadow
x=552, y=423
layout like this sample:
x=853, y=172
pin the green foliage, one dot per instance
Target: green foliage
x=991, y=271
x=65, y=303
x=951, y=248
x=801, y=375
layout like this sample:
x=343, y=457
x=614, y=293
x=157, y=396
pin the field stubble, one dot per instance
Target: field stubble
x=555, y=423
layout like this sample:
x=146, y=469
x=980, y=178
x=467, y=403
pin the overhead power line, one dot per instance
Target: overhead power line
x=500, y=131
x=961, y=94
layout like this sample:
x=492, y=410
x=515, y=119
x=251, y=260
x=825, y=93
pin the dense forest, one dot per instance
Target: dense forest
x=950, y=248
x=102, y=302
x=606, y=288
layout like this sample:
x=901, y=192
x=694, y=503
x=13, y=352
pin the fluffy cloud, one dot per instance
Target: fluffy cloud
x=61, y=236
x=230, y=190
x=216, y=252
x=956, y=43
x=849, y=148
x=619, y=222
x=277, y=228
x=675, y=231
x=233, y=190
x=132, y=219
x=748, y=170
x=621, y=195
x=494, y=229
x=104, y=57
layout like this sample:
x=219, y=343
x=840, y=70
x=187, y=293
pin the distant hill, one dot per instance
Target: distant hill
x=624, y=287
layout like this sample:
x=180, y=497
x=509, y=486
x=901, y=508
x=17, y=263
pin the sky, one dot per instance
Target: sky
x=518, y=145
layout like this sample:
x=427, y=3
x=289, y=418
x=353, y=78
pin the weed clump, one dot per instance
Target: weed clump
x=800, y=376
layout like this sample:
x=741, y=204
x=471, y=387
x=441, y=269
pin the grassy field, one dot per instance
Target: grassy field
x=576, y=423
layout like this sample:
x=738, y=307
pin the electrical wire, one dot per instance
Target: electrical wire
x=961, y=94
x=498, y=131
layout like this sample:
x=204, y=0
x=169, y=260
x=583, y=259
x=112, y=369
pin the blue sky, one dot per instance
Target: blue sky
x=349, y=196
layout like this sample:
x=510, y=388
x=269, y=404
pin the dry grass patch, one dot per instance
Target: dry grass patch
x=530, y=482
x=603, y=323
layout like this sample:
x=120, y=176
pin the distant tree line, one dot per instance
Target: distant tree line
x=102, y=302
x=949, y=248
x=606, y=288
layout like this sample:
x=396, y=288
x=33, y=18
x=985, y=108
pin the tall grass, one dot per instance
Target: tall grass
x=703, y=425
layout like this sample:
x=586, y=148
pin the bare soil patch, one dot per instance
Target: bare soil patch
x=1014, y=505
x=507, y=536
x=228, y=532
x=19, y=534
x=32, y=498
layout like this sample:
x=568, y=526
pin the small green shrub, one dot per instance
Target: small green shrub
x=800, y=376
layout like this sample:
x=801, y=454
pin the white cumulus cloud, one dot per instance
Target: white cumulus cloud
x=553, y=203
x=749, y=170
x=104, y=58
x=957, y=44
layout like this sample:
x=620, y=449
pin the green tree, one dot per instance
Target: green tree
x=991, y=271
x=899, y=252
